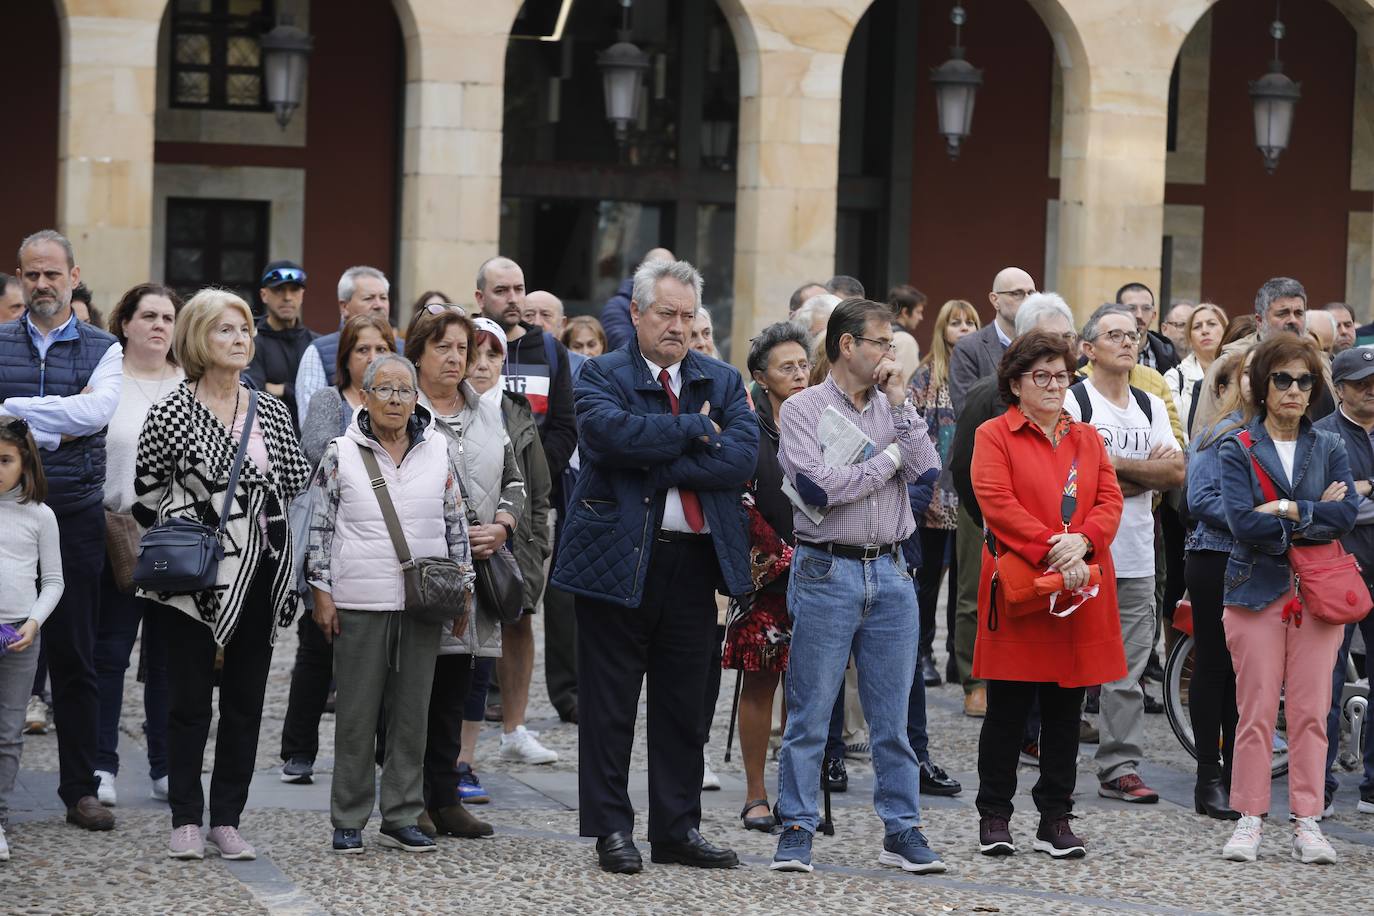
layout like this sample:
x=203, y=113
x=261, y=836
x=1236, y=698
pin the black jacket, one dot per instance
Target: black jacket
x=982, y=402
x=1360, y=540
x=1162, y=349
x=276, y=357
x=549, y=390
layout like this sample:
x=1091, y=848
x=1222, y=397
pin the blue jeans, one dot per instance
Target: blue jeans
x=839, y=605
x=1333, y=720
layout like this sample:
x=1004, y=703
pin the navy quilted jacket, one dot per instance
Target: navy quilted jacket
x=633, y=450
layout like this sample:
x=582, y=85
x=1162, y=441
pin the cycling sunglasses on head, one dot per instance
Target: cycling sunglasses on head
x=280, y=275
x=1283, y=381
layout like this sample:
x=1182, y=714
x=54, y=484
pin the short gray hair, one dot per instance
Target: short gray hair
x=771, y=337
x=348, y=283
x=48, y=235
x=1278, y=288
x=387, y=359
x=1110, y=308
x=482, y=271
x=649, y=273
x=819, y=305
x=1038, y=307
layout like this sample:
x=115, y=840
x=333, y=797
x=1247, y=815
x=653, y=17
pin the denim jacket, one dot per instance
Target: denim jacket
x=1257, y=573
x=1204, y=499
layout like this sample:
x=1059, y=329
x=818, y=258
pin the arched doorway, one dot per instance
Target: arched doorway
x=579, y=209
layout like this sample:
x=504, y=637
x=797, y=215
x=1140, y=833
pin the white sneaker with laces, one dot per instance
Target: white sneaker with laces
x=36, y=717
x=159, y=792
x=1309, y=846
x=227, y=842
x=520, y=746
x=186, y=843
x=4, y=846
x=105, y=788
x=1245, y=841
x=709, y=779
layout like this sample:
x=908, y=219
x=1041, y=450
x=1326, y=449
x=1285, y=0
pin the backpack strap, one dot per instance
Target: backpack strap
x=1192, y=405
x=1143, y=399
x=1085, y=403
x=1266, y=484
x=551, y=356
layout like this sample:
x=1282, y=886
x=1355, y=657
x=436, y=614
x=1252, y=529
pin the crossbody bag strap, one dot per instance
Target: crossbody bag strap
x=393, y=523
x=1266, y=484
x=238, y=460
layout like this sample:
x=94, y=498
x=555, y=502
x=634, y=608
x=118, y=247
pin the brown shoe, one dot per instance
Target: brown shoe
x=976, y=703
x=426, y=825
x=456, y=820
x=89, y=814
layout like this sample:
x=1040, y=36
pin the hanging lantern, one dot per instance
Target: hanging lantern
x=956, y=87
x=623, y=67
x=1274, y=97
x=285, y=53
x=717, y=132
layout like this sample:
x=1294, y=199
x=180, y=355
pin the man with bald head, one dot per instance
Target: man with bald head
x=977, y=354
x=1321, y=325
x=615, y=314
x=544, y=310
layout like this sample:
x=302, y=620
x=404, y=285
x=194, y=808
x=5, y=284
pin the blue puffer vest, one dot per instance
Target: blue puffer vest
x=328, y=345
x=76, y=471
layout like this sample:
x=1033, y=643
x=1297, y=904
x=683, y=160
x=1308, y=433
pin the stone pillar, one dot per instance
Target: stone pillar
x=105, y=139
x=451, y=185
x=791, y=57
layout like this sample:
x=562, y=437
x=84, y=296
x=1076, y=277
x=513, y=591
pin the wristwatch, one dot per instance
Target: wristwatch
x=1283, y=508
x=510, y=532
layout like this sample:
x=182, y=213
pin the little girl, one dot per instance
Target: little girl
x=29, y=546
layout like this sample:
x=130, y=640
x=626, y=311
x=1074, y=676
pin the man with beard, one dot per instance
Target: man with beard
x=63, y=376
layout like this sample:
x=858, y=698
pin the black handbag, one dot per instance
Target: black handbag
x=180, y=556
x=435, y=591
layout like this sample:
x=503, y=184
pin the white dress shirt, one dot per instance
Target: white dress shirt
x=50, y=417
x=674, y=519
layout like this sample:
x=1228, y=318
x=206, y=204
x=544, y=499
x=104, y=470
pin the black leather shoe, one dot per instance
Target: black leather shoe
x=929, y=672
x=1153, y=706
x=952, y=670
x=618, y=854
x=835, y=775
x=935, y=781
x=763, y=824
x=406, y=839
x=348, y=840
x=693, y=851
x=1210, y=796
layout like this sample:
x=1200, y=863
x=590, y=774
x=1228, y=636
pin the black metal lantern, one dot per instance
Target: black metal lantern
x=285, y=54
x=717, y=132
x=956, y=87
x=623, y=66
x=1275, y=98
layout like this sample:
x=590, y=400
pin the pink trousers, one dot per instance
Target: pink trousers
x=1274, y=658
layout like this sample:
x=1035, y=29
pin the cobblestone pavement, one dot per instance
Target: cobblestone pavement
x=1152, y=859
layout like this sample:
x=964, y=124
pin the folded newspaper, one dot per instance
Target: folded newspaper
x=842, y=444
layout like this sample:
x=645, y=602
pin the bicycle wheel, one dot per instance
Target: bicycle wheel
x=1178, y=675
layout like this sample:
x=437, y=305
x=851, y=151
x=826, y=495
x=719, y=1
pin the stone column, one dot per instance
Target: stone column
x=105, y=139
x=451, y=185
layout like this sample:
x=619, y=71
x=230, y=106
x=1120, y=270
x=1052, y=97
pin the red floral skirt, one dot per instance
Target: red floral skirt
x=758, y=634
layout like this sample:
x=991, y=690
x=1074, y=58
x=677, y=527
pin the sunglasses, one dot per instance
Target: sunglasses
x=284, y=275
x=1283, y=381
x=438, y=308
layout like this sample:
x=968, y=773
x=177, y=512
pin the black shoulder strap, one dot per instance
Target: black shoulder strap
x=1085, y=403
x=1143, y=399
x=1192, y=405
x=238, y=459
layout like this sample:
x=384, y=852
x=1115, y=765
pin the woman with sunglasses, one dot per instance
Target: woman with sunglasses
x=1278, y=653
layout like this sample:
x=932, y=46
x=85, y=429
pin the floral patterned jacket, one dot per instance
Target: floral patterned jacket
x=934, y=405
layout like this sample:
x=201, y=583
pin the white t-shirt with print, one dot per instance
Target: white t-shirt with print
x=1128, y=433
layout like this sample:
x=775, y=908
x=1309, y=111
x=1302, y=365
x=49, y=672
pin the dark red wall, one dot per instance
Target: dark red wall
x=30, y=78
x=985, y=210
x=1294, y=222
x=351, y=158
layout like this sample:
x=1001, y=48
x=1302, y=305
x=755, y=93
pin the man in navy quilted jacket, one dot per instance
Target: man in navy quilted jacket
x=655, y=527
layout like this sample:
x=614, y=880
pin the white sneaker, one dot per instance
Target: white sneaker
x=36, y=717
x=1309, y=846
x=1366, y=805
x=1245, y=841
x=709, y=780
x=159, y=792
x=4, y=847
x=520, y=746
x=105, y=788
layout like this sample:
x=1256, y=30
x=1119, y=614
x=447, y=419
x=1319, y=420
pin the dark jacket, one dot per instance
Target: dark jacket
x=532, y=539
x=548, y=389
x=982, y=403
x=1360, y=540
x=633, y=450
x=976, y=356
x=1258, y=573
x=276, y=357
x=775, y=507
x=615, y=316
x=1162, y=349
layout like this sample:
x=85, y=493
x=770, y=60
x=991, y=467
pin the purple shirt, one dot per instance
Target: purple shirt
x=867, y=502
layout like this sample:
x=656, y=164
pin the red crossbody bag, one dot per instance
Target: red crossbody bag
x=1326, y=578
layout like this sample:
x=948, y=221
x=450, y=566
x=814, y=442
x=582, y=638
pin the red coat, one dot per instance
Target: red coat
x=1019, y=478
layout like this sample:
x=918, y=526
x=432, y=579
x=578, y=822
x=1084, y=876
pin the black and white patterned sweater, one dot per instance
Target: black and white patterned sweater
x=182, y=471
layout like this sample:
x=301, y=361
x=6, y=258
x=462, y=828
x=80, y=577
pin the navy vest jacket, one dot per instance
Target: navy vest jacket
x=76, y=471
x=328, y=345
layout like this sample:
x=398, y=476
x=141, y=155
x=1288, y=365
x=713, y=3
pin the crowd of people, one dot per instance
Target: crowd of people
x=1069, y=487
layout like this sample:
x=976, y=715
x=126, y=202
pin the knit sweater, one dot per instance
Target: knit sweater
x=30, y=547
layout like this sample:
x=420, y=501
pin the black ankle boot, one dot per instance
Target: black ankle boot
x=1210, y=796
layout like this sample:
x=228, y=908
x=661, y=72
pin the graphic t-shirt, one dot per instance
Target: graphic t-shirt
x=527, y=372
x=1128, y=433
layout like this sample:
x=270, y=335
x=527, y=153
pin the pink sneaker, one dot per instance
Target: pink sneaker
x=1129, y=788
x=186, y=843
x=227, y=842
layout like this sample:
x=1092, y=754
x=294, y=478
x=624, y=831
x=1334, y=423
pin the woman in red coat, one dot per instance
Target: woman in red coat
x=1049, y=495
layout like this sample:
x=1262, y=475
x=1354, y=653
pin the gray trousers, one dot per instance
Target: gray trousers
x=1122, y=719
x=16, y=681
x=382, y=661
x=968, y=546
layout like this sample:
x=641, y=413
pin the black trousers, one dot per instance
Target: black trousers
x=668, y=638
x=560, y=650
x=69, y=641
x=999, y=746
x=933, y=541
x=713, y=674
x=242, y=684
x=310, y=677
x=452, y=675
x=1174, y=535
x=1212, y=691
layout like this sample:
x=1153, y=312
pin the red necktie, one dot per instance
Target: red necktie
x=691, y=505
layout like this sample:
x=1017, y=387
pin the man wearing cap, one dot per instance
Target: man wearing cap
x=1352, y=371
x=282, y=337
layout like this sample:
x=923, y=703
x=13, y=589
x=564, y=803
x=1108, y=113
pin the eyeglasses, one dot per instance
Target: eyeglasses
x=1016, y=295
x=1118, y=336
x=386, y=393
x=887, y=345
x=788, y=369
x=1283, y=381
x=284, y=275
x=438, y=308
x=1176, y=325
x=1042, y=378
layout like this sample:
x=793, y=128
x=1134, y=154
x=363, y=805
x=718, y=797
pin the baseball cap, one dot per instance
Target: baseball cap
x=1353, y=364
x=281, y=272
